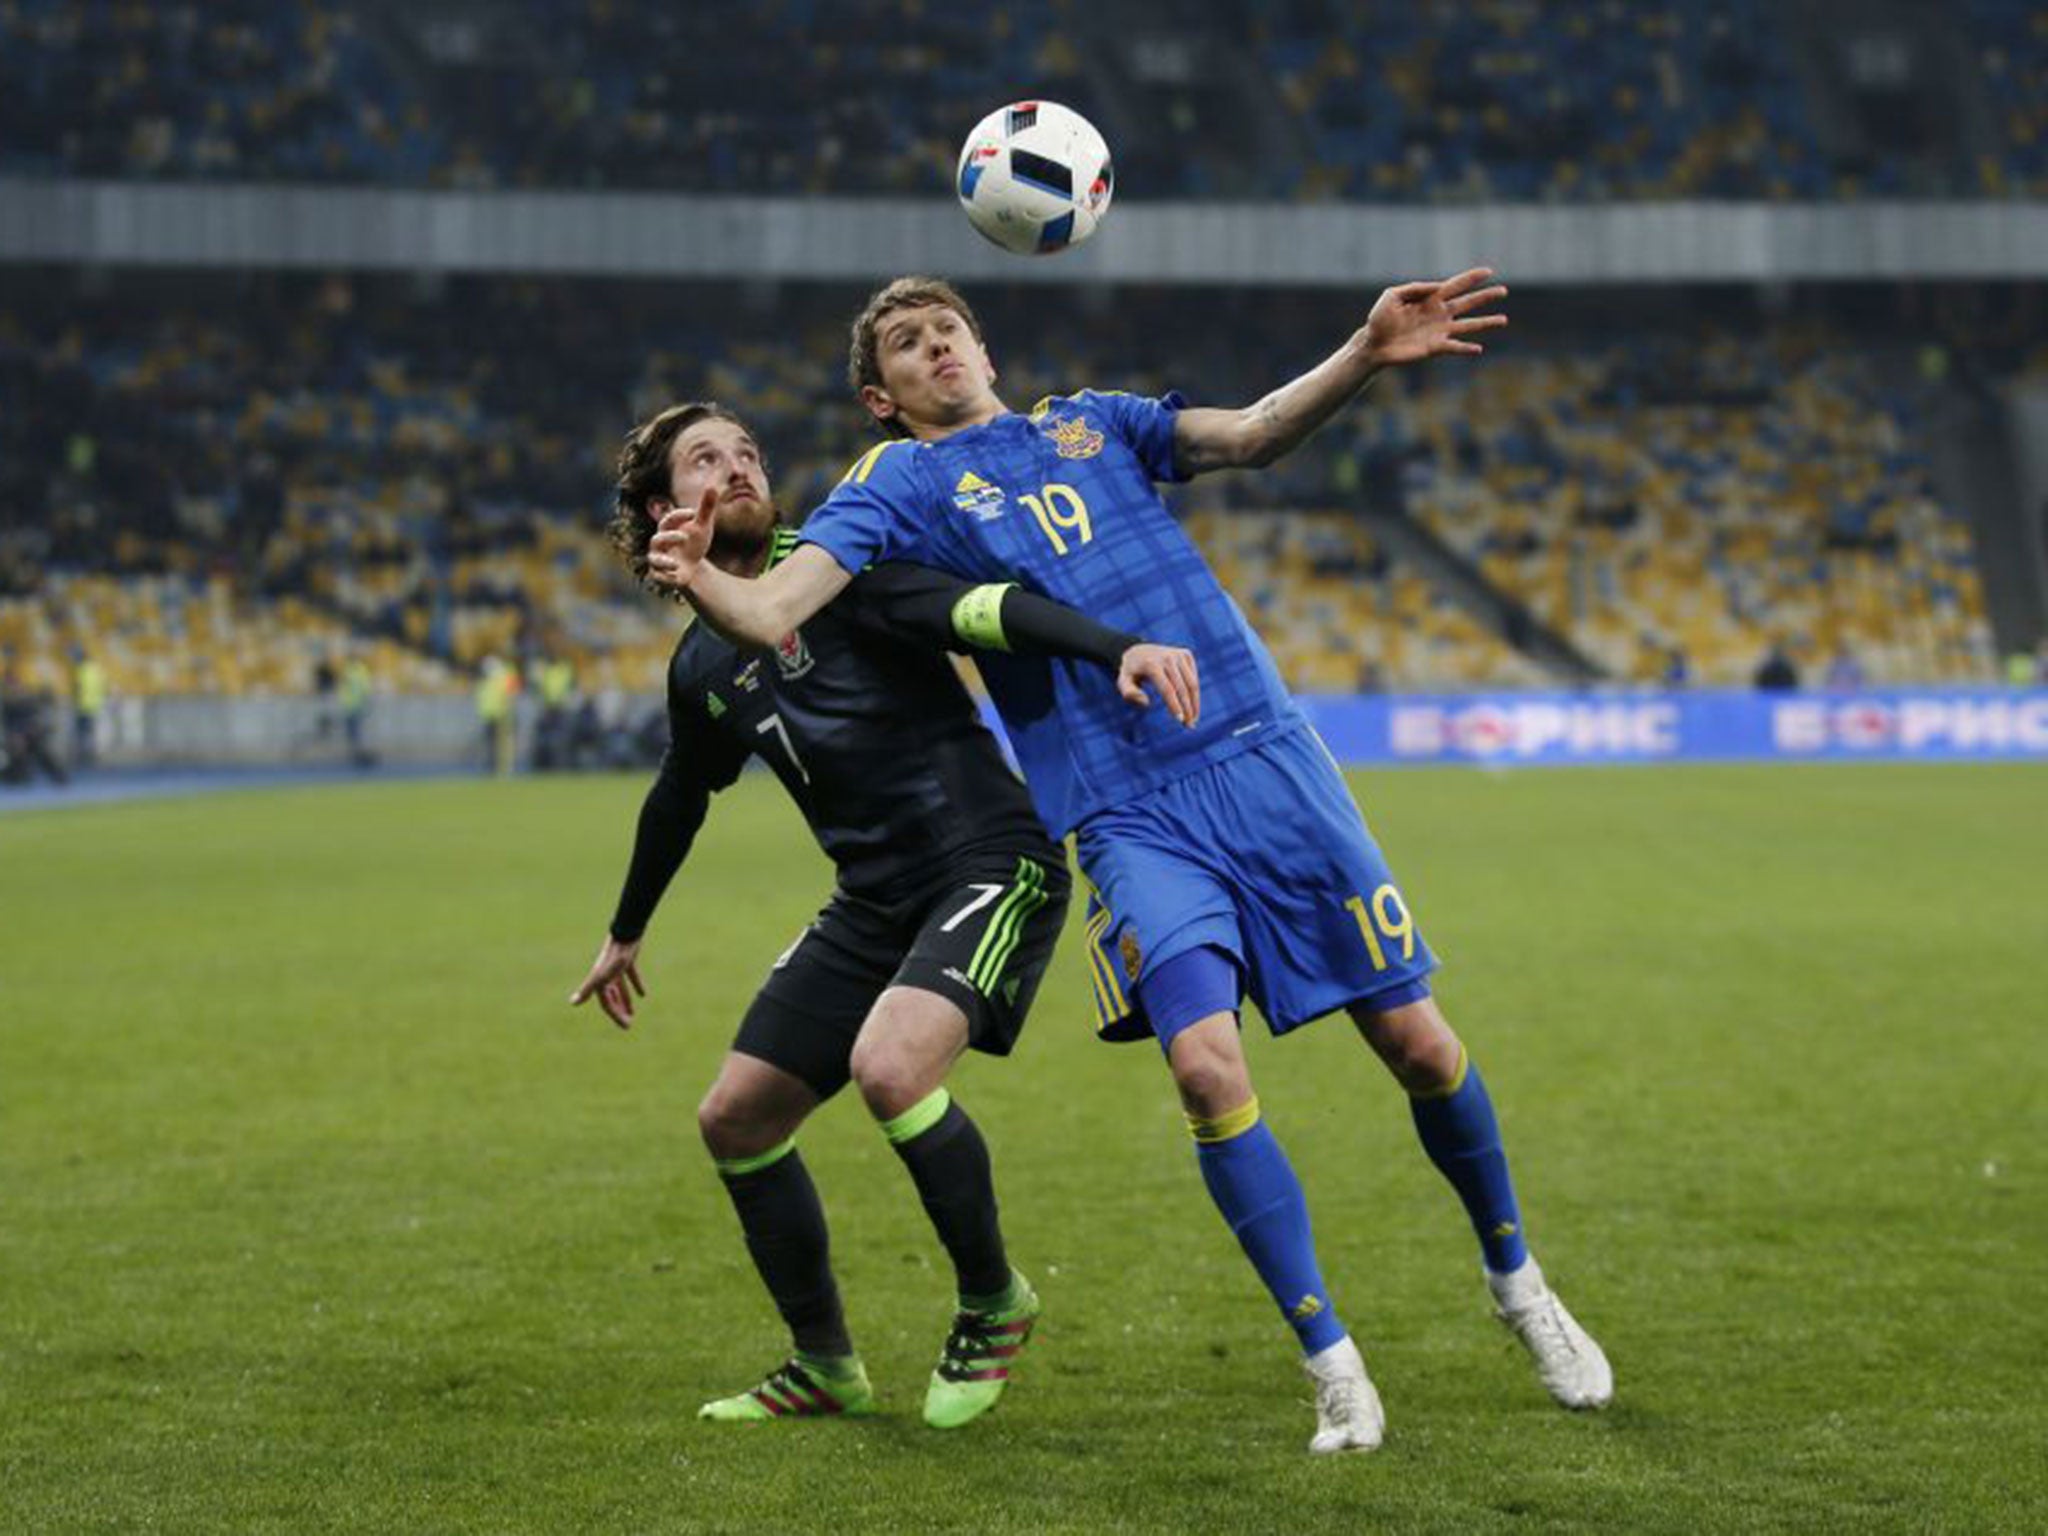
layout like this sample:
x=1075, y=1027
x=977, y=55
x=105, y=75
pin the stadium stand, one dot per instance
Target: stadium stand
x=2012, y=50
x=179, y=635
x=1500, y=99
x=230, y=89
x=1709, y=499
x=426, y=473
x=1434, y=101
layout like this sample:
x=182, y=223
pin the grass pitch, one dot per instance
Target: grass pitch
x=319, y=1210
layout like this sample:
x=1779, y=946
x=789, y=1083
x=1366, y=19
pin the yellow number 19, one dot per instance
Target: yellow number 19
x=1387, y=916
x=1060, y=507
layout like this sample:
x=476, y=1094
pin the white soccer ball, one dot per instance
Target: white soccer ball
x=1035, y=177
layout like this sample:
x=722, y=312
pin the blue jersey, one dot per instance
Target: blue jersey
x=1063, y=502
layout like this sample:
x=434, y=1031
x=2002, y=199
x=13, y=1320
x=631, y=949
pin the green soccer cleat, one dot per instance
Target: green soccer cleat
x=798, y=1390
x=975, y=1365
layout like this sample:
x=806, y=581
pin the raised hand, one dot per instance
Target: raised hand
x=616, y=969
x=681, y=542
x=1420, y=320
x=1169, y=669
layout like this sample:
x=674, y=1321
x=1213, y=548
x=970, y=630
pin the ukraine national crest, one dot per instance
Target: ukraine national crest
x=977, y=498
x=792, y=656
x=1074, y=438
x=1133, y=957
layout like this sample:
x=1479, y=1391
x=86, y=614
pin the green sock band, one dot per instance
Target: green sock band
x=735, y=1167
x=832, y=1367
x=1008, y=1297
x=919, y=1118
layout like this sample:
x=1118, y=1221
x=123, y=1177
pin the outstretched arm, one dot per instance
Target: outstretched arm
x=929, y=607
x=757, y=611
x=1408, y=324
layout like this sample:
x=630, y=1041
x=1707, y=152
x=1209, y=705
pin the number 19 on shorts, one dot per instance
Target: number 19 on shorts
x=1384, y=920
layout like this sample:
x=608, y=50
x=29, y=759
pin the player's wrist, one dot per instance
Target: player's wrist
x=1362, y=356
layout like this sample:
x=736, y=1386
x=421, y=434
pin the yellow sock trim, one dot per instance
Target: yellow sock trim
x=1457, y=1080
x=917, y=1119
x=1227, y=1126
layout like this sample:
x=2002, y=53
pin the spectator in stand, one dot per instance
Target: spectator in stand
x=88, y=703
x=1777, y=673
x=24, y=729
x=496, y=689
x=355, y=712
x=554, y=679
x=1845, y=673
x=326, y=684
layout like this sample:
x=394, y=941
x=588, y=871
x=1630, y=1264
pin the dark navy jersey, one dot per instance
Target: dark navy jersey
x=863, y=719
x=1063, y=502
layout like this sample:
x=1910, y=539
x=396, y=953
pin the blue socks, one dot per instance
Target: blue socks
x=1254, y=1187
x=1462, y=1137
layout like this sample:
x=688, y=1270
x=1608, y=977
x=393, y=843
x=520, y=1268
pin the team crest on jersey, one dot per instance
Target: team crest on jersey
x=792, y=657
x=977, y=498
x=1133, y=957
x=1074, y=438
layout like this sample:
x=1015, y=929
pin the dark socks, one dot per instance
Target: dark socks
x=784, y=1225
x=949, y=1164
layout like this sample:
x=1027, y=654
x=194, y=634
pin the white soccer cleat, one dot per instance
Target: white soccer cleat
x=1348, y=1412
x=1568, y=1363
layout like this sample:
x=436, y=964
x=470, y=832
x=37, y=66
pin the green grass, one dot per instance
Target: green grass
x=320, y=1211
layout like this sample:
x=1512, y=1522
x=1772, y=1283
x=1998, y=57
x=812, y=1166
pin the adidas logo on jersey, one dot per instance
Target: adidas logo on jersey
x=976, y=497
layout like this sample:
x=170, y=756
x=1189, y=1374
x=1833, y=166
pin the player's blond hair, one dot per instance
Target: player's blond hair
x=863, y=360
x=644, y=474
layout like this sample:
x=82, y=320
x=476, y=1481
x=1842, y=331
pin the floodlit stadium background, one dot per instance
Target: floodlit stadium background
x=320, y=1210
x=320, y=324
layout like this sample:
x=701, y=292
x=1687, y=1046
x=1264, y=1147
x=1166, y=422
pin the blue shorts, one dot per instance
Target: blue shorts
x=1264, y=856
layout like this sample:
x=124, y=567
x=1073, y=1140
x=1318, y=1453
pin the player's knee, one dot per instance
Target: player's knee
x=889, y=1077
x=1212, y=1080
x=1416, y=1044
x=734, y=1126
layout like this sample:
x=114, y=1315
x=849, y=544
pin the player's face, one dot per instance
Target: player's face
x=714, y=454
x=935, y=374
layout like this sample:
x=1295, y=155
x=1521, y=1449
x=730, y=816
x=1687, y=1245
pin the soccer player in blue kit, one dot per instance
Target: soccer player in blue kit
x=1224, y=860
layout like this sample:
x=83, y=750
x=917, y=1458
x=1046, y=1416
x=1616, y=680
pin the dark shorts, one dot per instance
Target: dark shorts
x=980, y=936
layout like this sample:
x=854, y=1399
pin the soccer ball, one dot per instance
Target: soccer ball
x=1035, y=177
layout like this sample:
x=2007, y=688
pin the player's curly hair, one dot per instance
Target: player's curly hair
x=644, y=474
x=863, y=361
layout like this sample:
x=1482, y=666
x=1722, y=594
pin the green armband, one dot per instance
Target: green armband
x=978, y=617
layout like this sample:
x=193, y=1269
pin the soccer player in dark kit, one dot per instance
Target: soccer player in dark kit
x=949, y=899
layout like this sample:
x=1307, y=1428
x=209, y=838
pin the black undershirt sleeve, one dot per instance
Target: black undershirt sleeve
x=1038, y=626
x=696, y=763
x=928, y=607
